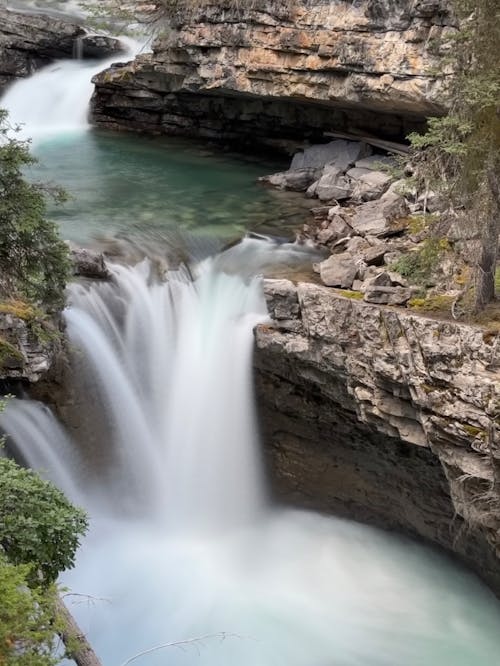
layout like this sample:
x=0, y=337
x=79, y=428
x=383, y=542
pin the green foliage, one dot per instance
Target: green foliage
x=38, y=525
x=436, y=303
x=459, y=155
x=34, y=261
x=457, y=149
x=27, y=618
x=419, y=266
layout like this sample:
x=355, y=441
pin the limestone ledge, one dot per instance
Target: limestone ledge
x=364, y=66
x=429, y=386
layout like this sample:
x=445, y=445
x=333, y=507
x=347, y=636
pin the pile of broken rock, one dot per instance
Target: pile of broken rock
x=362, y=217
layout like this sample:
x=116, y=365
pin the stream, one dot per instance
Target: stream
x=185, y=545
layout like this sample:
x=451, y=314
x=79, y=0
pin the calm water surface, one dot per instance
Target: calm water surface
x=123, y=184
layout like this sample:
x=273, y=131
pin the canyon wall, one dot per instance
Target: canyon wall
x=383, y=416
x=273, y=71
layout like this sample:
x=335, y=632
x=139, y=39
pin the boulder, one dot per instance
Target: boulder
x=374, y=255
x=376, y=217
x=337, y=228
x=386, y=288
x=368, y=185
x=100, y=46
x=340, y=153
x=339, y=270
x=332, y=184
x=298, y=180
x=89, y=263
x=388, y=295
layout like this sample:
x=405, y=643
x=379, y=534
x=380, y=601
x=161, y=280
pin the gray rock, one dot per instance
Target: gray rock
x=375, y=217
x=430, y=202
x=337, y=228
x=340, y=152
x=281, y=299
x=357, y=172
x=388, y=295
x=100, y=46
x=369, y=185
x=297, y=180
x=374, y=255
x=311, y=190
x=332, y=185
x=88, y=263
x=339, y=270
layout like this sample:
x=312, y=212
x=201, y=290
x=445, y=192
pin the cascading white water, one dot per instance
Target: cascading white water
x=183, y=542
x=55, y=99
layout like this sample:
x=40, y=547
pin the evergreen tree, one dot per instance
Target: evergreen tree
x=34, y=260
x=460, y=152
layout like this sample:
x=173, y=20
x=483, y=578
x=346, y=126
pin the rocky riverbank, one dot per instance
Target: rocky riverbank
x=384, y=416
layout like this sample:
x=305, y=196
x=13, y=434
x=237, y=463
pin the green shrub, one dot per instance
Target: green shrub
x=419, y=266
x=34, y=262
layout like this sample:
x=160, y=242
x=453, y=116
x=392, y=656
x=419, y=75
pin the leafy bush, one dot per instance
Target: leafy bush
x=34, y=261
x=419, y=266
x=26, y=619
x=38, y=525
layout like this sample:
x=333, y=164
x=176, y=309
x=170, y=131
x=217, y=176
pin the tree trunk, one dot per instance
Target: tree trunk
x=486, y=266
x=77, y=645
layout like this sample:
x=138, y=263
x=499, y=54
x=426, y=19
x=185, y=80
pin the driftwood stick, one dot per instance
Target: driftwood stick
x=77, y=645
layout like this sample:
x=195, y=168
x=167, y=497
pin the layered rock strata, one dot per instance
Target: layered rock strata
x=29, y=41
x=273, y=71
x=385, y=417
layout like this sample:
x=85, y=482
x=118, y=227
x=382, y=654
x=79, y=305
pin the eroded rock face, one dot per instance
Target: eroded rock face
x=384, y=416
x=29, y=41
x=27, y=353
x=283, y=70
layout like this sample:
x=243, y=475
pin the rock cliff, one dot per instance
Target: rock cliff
x=28, y=349
x=290, y=69
x=384, y=416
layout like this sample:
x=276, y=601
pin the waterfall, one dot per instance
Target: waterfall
x=184, y=543
x=55, y=99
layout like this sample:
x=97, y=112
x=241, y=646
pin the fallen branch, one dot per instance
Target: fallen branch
x=221, y=635
x=77, y=645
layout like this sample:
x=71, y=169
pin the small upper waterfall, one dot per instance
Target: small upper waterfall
x=56, y=98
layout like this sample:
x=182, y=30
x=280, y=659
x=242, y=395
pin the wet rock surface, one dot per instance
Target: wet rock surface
x=384, y=416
